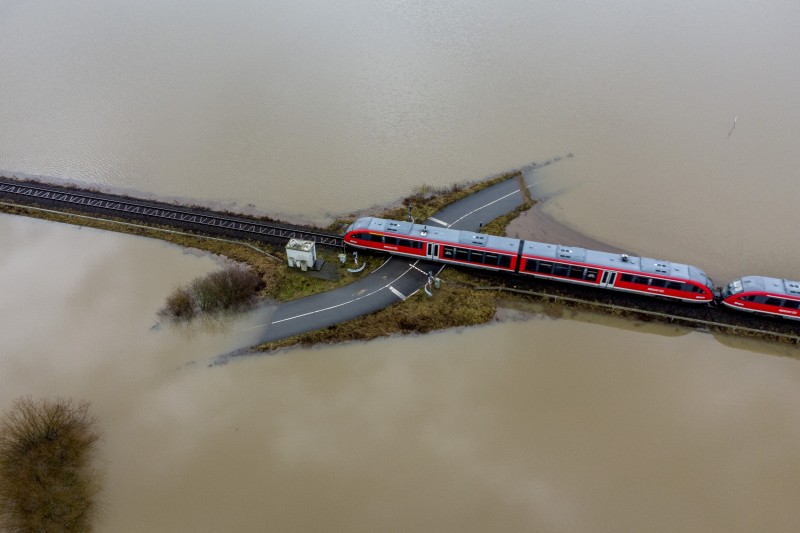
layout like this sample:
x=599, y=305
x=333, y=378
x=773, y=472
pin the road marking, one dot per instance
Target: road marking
x=397, y=293
x=341, y=304
x=516, y=191
x=442, y=222
x=419, y=269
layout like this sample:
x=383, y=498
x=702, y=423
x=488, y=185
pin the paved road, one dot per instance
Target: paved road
x=394, y=280
x=481, y=207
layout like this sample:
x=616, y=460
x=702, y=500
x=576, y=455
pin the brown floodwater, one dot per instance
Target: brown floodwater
x=582, y=423
x=307, y=111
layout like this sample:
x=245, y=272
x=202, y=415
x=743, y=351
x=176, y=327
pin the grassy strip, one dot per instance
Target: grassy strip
x=498, y=226
x=453, y=305
x=280, y=282
x=425, y=200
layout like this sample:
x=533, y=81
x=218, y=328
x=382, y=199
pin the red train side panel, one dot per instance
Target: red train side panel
x=604, y=273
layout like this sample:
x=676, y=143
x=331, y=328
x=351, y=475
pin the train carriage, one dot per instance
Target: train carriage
x=619, y=272
x=764, y=295
x=572, y=265
x=436, y=244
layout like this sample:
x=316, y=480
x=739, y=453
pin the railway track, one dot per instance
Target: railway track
x=202, y=220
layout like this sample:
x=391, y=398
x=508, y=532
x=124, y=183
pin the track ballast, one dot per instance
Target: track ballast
x=203, y=220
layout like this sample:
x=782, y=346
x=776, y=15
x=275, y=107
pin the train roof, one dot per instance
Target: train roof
x=615, y=261
x=454, y=236
x=540, y=249
x=773, y=285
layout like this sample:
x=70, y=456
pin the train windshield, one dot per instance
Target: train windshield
x=734, y=288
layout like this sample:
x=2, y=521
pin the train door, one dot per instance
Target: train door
x=608, y=279
x=433, y=251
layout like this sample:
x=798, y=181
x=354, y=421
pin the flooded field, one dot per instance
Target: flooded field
x=306, y=112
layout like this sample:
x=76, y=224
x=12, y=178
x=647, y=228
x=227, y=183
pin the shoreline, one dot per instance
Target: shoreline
x=536, y=225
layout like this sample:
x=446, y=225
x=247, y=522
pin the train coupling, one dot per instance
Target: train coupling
x=717, y=294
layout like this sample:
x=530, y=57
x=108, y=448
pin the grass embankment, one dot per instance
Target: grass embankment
x=47, y=482
x=426, y=200
x=455, y=304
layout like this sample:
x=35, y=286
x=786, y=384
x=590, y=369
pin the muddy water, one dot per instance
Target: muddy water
x=517, y=426
x=302, y=110
x=307, y=110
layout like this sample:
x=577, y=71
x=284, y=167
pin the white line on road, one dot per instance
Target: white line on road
x=397, y=293
x=516, y=191
x=442, y=222
x=388, y=285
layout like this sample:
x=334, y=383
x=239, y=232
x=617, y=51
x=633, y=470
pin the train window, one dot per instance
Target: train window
x=655, y=282
x=748, y=298
x=674, y=286
x=390, y=240
x=449, y=252
x=530, y=265
x=490, y=259
x=640, y=280
x=774, y=301
x=544, y=268
x=591, y=274
x=462, y=254
x=505, y=261
x=627, y=278
x=576, y=272
x=791, y=304
x=403, y=242
x=475, y=256
x=560, y=270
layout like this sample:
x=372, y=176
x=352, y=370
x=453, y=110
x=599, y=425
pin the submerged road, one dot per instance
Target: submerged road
x=397, y=278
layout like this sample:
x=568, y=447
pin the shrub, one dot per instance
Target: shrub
x=180, y=304
x=230, y=289
x=47, y=482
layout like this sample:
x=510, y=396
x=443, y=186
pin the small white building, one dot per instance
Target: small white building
x=301, y=254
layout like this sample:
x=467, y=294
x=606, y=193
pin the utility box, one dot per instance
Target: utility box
x=301, y=254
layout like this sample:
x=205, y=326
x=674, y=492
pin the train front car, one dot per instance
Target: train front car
x=434, y=243
x=763, y=295
x=393, y=236
x=618, y=272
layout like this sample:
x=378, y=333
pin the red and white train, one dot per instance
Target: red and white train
x=768, y=296
x=580, y=266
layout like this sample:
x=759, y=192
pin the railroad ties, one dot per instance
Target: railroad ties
x=179, y=216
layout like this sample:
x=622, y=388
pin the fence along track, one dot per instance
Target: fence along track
x=173, y=216
x=663, y=316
